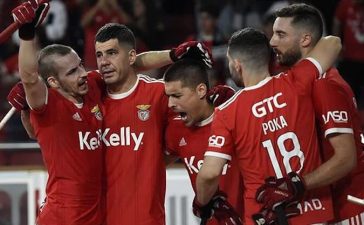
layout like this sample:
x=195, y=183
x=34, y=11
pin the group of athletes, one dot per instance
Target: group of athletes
x=285, y=143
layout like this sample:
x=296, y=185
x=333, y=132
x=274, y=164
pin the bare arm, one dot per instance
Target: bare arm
x=152, y=60
x=34, y=87
x=326, y=51
x=25, y=119
x=339, y=165
x=208, y=178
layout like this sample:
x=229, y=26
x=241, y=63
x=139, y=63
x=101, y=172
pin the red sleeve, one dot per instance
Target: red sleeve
x=304, y=74
x=332, y=107
x=220, y=141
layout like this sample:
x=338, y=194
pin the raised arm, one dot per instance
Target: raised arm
x=29, y=18
x=156, y=59
x=326, y=51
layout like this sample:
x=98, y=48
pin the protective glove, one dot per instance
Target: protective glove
x=16, y=97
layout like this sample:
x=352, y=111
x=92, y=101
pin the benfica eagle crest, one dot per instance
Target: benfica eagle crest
x=143, y=112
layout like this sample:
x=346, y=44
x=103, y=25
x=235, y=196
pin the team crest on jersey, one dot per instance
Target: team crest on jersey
x=96, y=111
x=143, y=112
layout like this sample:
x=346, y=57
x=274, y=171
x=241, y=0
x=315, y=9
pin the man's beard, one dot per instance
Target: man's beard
x=290, y=58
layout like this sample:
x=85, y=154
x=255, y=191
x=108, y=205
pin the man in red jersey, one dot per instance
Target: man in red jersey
x=186, y=85
x=67, y=121
x=136, y=116
x=269, y=126
x=335, y=107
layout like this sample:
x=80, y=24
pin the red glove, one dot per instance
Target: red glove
x=218, y=207
x=286, y=190
x=192, y=49
x=16, y=97
x=219, y=94
x=29, y=15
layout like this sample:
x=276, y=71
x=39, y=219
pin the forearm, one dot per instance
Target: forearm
x=28, y=61
x=339, y=165
x=152, y=60
x=206, y=187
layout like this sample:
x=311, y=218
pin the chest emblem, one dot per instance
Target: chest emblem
x=96, y=111
x=143, y=112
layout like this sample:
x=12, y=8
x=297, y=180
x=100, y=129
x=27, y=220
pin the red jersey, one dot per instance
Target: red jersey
x=336, y=112
x=133, y=134
x=69, y=136
x=270, y=127
x=189, y=144
x=351, y=17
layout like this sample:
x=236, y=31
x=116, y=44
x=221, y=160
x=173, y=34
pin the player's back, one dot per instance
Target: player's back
x=133, y=135
x=340, y=114
x=69, y=137
x=272, y=126
x=190, y=144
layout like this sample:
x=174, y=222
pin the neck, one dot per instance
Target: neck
x=253, y=78
x=72, y=98
x=123, y=85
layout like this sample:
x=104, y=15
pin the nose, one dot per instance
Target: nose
x=273, y=41
x=171, y=103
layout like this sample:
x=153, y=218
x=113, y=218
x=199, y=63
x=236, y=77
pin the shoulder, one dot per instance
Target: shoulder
x=230, y=103
x=149, y=84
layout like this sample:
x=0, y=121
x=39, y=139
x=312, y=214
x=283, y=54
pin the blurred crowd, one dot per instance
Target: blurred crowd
x=162, y=24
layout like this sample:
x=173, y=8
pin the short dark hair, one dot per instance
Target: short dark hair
x=189, y=71
x=46, y=59
x=116, y=31
x=304, y=16
x=251, y=46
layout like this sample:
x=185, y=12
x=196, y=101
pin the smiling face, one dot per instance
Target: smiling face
x=286, y=41
x=114, y=61
x=71, y=77
x=188, y=102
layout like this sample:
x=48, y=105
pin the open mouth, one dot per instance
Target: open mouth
x=183, y=116
x=82, y=83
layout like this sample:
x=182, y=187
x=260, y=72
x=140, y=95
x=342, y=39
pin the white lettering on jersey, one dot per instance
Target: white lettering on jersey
x=216, y=141
x=336, y=116
x=123, y=138
x=274, y=124
x=313, y=204
x=267, y=105
x=195, y=167
x=91, y=143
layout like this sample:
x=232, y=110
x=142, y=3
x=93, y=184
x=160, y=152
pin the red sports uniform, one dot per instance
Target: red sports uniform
x=69, y=136
x=189, y=144
x=133, y=134
x=336, y=113
x=270, y=127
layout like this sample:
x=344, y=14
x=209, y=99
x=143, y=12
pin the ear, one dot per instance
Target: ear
x=201, y=90
x=53, y=82
x=237, y=66
x=306, y=40
x=132, y=56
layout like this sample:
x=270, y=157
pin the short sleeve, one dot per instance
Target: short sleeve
x=220, y=143
x=332, y=107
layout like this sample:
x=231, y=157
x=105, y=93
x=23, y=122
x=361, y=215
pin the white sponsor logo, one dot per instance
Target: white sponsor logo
x=89, y=142
x=194, y=167
x=313, y=204
x=262, y=108
x=216, y=141
x=124, y=138
x=336, y=116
